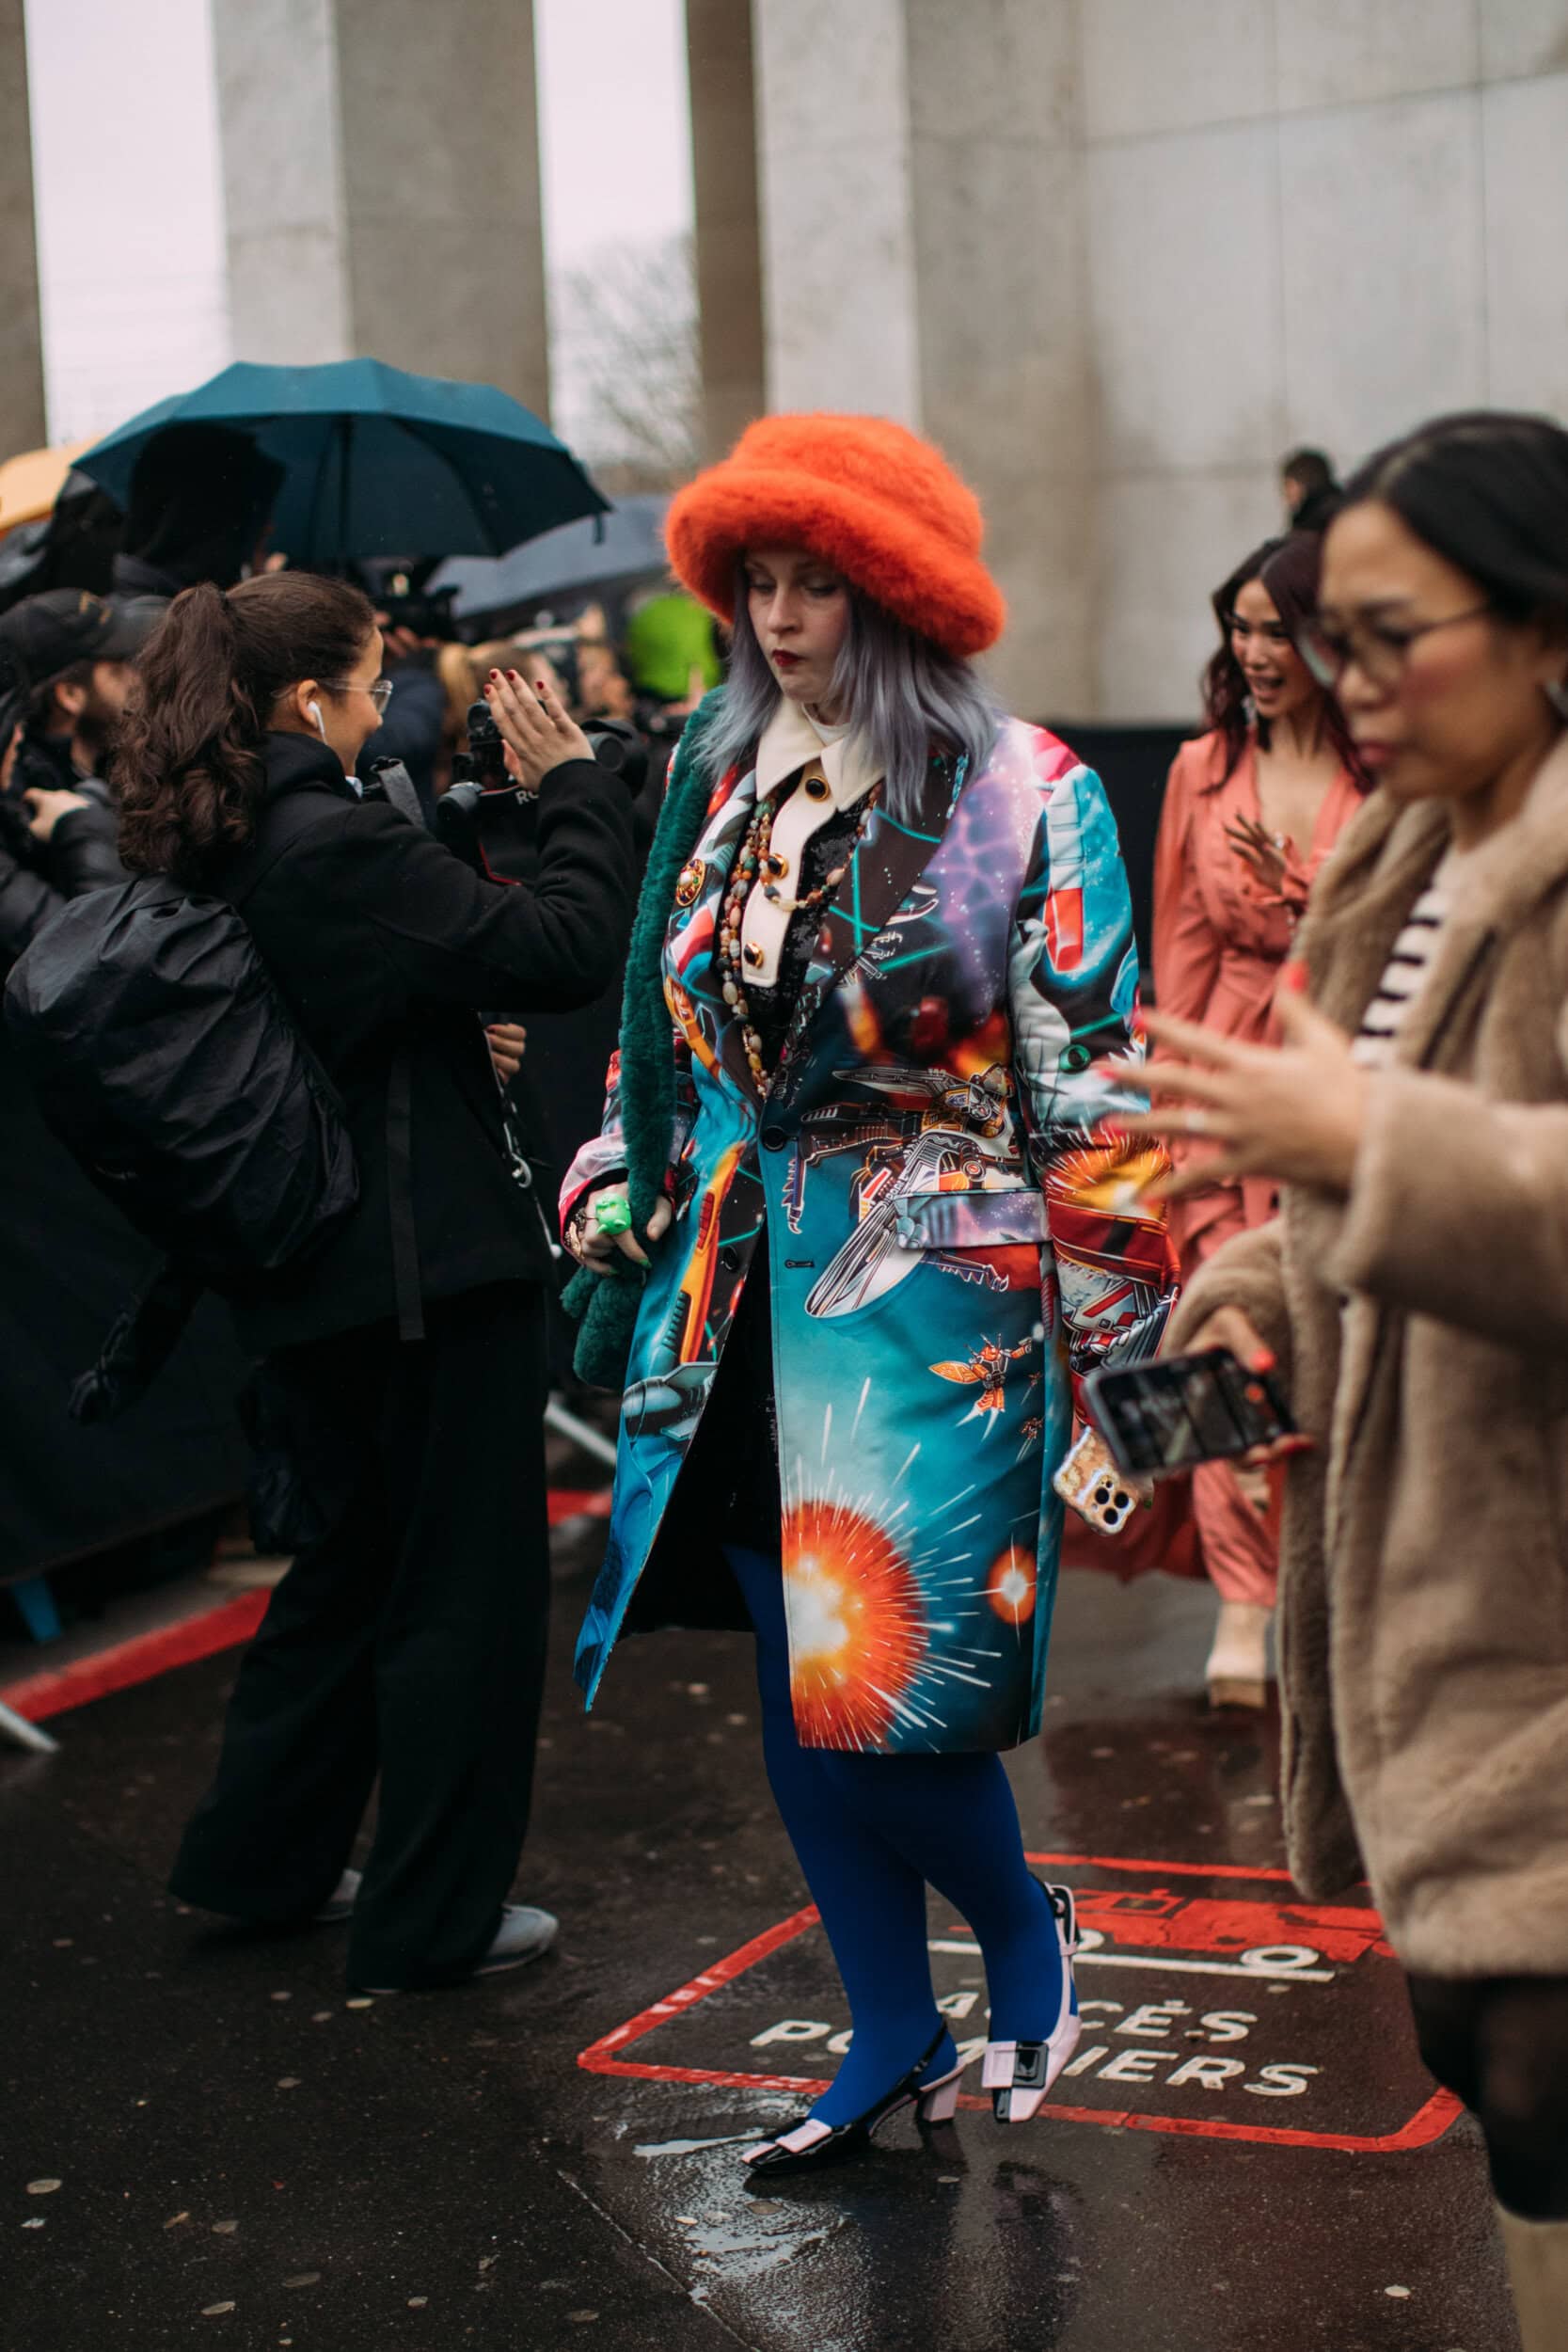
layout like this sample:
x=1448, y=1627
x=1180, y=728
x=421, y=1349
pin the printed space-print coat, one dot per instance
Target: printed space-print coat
x=954, y=1238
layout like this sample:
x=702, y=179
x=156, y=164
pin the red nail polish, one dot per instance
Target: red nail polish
x=495, y=673
x=1264, y=1360
x=1293, y=975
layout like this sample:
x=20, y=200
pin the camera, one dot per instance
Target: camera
x=400, y=592
x=481, y=775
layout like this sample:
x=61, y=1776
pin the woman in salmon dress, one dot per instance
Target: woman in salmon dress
x=1252, y=808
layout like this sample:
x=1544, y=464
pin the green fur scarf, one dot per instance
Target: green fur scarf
x=605, y=1307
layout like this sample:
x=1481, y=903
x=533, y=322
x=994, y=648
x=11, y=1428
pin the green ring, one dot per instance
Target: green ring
x=612, y=1216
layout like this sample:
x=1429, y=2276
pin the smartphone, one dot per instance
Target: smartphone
x=1158, y=1418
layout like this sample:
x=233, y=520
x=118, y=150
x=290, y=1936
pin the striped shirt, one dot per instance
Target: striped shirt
x=1403, y=981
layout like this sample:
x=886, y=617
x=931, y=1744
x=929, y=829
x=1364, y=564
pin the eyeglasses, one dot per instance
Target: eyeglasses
x=380, y=693
x=1380, y=649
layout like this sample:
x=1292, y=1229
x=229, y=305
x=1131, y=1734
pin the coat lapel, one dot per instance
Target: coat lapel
x=889, y=860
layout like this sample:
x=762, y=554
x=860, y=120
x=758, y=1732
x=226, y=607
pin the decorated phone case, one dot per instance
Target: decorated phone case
x=1091, y=1485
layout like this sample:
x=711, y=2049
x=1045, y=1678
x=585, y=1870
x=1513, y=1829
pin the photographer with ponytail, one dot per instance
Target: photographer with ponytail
x=407, y=1639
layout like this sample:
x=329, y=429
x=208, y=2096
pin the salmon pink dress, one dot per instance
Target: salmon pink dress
x=1220, y=939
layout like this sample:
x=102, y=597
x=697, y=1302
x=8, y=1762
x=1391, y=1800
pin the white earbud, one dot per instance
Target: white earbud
x=315, y=711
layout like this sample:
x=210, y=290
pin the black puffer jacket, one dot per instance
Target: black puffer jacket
x=385, y=946
x=37, y=877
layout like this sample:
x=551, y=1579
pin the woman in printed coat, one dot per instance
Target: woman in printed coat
x=883, y=938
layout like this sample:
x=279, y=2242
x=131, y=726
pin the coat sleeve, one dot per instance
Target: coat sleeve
x=28, y=899
x=449, y=935
x=1186, y=947
x=603, y=1159
x=1248, y=1272
x=1073, y=997
x=83, y=851
x=1457, y=1208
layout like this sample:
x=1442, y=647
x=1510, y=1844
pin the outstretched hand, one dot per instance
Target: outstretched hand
x=1294, y=1111
x=538, y=732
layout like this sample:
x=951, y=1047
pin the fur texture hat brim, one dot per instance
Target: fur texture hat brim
x=878, y=505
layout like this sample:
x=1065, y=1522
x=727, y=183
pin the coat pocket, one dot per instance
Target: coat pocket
x=970, y=1220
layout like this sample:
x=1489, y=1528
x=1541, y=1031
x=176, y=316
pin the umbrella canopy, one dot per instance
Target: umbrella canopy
x=627, y=545
x=377, y=462
x=30, y=483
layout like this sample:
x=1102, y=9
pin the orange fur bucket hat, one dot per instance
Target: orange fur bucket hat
x=874, y=501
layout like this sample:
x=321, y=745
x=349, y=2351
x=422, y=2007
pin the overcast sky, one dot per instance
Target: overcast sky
x=129, y=206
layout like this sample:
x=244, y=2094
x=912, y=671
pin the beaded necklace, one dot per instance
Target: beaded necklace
x=752, y=859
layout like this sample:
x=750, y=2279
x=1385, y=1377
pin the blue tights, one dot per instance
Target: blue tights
x=869, y=1831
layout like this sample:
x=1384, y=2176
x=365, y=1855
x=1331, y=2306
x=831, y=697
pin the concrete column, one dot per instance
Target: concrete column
x=381, y=178
x=22, y=411
x=1006, y=369
x=923, y=248
x=721, y=74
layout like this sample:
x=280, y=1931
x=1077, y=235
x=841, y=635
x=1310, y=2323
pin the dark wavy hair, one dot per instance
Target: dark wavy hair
x=1288, y=569
x=1487, y=489
x=189, y=768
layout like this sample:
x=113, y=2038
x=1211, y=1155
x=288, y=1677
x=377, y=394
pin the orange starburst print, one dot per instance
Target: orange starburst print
x=1013, y=1585
x=857, y=1628
x=1092, y=1178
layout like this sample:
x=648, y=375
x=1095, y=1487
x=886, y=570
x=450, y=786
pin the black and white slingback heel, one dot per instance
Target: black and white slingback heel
x=812, y=2147
x=1019, y=2074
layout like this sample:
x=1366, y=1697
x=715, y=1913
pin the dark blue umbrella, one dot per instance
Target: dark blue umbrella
x=627, y=545
x=377, y=462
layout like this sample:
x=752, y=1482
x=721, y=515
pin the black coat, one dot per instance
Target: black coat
x=386, y=946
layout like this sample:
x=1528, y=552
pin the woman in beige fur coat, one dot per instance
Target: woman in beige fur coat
x=1413, y=1291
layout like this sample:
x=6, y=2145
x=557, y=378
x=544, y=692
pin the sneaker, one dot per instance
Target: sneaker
x=339, y=1905
x=525, y=1934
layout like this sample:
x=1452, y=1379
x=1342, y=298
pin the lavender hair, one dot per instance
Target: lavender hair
x=904, y=696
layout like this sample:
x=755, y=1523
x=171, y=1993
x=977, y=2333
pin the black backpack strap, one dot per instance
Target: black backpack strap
x=400, y=1198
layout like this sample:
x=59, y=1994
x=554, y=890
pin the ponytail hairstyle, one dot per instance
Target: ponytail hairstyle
x=1288, y=569
x=190, y=770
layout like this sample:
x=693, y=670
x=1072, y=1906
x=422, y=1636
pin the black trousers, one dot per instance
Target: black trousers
x=1500, y=2043
x=407, y=1640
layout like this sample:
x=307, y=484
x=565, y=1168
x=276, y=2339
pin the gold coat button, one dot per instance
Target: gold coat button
x=753, y=955
x=816, y=788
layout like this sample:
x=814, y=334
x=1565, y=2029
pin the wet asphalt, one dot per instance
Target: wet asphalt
x=1248, y=2158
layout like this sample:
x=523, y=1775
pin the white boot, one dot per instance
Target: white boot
x=1238, y=1669
x=1538, y=2271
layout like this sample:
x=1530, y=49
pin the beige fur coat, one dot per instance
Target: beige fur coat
x=1422, y=1332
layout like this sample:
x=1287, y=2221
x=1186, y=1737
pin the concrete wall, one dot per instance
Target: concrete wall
x=1315, y=221
x=922, y=259
x=1118, y=255
x=21, y=417
x=381, y=178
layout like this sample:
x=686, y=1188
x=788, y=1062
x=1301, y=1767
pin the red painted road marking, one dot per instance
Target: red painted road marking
x=149, y=1655
x=578, y=1503
x=137, y=1660
x=1429, y=2123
